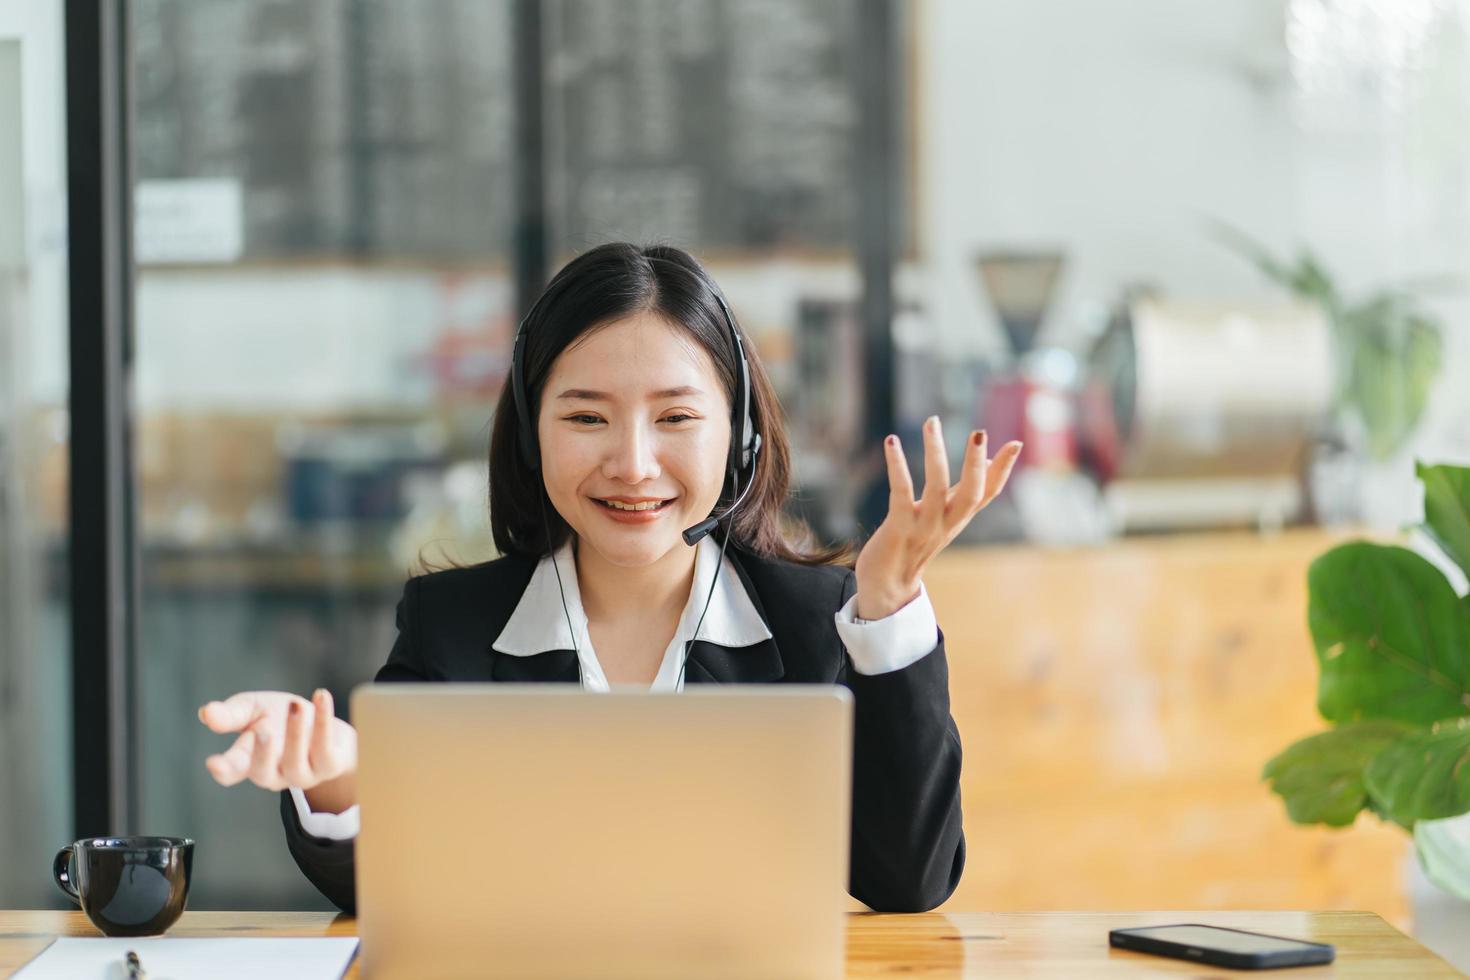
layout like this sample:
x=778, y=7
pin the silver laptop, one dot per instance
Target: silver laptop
x=529, y=831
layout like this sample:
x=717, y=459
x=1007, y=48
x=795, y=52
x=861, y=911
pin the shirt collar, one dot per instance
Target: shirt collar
x=539, y=622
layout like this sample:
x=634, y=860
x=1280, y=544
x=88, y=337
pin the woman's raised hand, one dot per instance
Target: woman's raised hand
x=893, y=560
x=285, y=740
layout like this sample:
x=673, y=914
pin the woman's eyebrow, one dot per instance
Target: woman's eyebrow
x=588, y=395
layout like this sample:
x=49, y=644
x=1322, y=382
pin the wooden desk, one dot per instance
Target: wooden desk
x=1130, y=695
x=1031, y=944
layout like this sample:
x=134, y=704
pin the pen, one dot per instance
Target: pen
x=135, y=967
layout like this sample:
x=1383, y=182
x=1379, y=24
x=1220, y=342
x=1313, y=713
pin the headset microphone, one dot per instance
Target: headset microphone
x=693, y=535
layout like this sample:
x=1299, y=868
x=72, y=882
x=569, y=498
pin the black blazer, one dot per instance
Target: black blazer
x=908, y=848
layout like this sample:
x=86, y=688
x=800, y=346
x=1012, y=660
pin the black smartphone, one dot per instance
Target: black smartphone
x=1222, y=947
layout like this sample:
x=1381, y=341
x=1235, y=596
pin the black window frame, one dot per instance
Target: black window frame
x=103, y=569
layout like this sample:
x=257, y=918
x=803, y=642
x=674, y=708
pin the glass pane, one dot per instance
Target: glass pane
x=324, y=321
x=324, y=201
x=35, y=636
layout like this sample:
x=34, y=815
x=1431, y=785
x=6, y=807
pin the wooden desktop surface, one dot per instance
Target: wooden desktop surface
x=1002, y=944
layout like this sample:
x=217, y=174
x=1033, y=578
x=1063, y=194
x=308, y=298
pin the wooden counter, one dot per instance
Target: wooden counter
x=1117, y=705
x=1039, y=945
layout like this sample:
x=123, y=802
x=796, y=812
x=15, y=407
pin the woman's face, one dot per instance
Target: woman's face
x=634, y=414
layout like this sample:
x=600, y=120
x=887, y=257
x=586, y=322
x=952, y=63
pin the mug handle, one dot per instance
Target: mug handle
x=61, y=870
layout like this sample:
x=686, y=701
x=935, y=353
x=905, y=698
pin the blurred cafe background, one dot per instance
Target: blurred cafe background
x=1129, y=233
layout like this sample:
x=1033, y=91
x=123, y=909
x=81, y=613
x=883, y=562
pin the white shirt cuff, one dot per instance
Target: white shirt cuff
x=880, y=646
x=327, y=826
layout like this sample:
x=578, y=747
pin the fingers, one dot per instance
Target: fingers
x=900, y=484
x=233, y=714
x=284, y=740
x=321, y=732
x=970, y=491
x=1000, y=471
x=296, y=767
x=981, y=478
x=265, y=761
x=231, y=765
x=936, y=473
x=913, y=532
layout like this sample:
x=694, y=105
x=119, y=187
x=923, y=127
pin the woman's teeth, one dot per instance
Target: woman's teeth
x=645, y=505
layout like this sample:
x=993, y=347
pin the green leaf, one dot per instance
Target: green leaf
x=1392, y=638
x=1252, y=251
x=1444, y=852
x=1376, y=388
x=1383, y=305
x=1393, y=362
x=1447, y=510
x=1387, y=352
x=1423, y=348
x=1311, y=281
x=1425, y=775
x=1321, y=777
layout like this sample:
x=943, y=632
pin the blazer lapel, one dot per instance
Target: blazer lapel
x=710, y=663
x=553, y=666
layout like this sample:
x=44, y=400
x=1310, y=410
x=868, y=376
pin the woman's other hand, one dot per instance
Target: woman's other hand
x=284, y=741
x=891, y=564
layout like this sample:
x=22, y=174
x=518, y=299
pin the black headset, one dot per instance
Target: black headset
x=745, y=446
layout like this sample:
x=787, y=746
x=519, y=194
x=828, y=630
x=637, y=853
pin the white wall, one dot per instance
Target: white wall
x=1110, y=130
x=1115, y=130
x=35, y=716
x=38, y=25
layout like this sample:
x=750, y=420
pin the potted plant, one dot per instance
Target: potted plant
x=1387, y=347
x=1392, y=640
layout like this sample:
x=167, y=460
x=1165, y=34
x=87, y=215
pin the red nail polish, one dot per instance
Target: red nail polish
x=977, y=438
x=891, y=440
x=295, y=709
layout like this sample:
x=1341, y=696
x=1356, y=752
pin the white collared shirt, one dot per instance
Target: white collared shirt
x=539, y=624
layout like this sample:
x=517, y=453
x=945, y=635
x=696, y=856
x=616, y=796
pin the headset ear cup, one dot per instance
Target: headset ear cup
x=751, y=453
x=743, y=438
x=525, y=427
x=750, y=440
x=736, y=462
x=530, y=451
x=526, y=436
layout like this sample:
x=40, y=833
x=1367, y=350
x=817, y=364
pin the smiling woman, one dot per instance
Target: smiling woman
x=619, y=327
x=637, y=422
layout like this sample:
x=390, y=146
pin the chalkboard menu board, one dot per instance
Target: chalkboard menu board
x=364, y=128
x=722, y=123
x=381, y=128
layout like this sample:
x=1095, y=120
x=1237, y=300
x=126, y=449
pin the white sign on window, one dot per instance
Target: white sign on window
x=190, y=220
x=12, y=232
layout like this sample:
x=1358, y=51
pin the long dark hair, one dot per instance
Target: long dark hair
x=599, y=287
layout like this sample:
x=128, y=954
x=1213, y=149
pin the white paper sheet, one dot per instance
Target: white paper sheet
x=167, y=958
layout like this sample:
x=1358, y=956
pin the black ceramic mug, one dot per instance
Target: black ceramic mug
x=128, y=886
